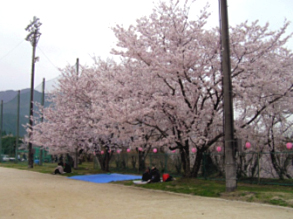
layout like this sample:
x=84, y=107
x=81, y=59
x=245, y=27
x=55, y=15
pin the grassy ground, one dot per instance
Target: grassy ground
x=269, y=194
x=85, y=168
x=276, y=195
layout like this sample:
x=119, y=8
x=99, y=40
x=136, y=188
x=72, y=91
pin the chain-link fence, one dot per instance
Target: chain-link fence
x=40, y=156
x=134, y=163
x=252, y=167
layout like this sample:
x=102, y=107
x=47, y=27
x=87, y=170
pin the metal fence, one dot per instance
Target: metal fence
x=40, y=156
x=131, y=162
x=252, y=167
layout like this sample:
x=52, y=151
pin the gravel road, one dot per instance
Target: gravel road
x=26, y=194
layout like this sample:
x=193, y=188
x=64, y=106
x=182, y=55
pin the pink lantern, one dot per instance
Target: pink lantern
x=128, y=150
x=247, y=145
x=155, y=150
x=173, y=151
x=219, y=149
x=140, y=149
x=109, y=150
x=118, y=151
x=102, y=152
x=289, y=145
x=193, y=150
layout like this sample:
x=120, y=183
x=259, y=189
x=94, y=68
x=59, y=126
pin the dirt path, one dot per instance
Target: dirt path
x=26, y=194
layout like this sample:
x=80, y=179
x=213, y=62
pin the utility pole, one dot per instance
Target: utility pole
x=76, y=149
x=77, y=66
x=230, y=144
x=33, y=37
x=17, y=127
x=42, y=118
x=1, y=128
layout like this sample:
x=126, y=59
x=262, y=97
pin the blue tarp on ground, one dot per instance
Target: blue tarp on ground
x=105, y=178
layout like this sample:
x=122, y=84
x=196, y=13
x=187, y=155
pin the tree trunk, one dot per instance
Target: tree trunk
x=105, y=160
x=141, y=161
x=184, y=152
x=100, y=159
x=197, y=163
x=276, y=166
x=133, y=161
x=76, y=159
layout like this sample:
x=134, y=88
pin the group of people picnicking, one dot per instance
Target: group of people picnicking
x=150, y=175
x=153, y=175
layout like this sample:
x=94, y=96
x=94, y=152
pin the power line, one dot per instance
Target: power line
x=47, y=57
x=12, y=50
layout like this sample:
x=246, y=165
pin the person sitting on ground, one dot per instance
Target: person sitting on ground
x=59, y=169
x=67, y=168
x=155, y=175
x=146, y=175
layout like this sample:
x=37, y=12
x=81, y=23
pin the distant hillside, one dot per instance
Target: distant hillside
x=10, y=111
x=9, y=124
x=50, y=85
x=9, y=98
x=8, y=95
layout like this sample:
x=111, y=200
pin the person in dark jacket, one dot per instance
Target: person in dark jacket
x=67, y=168
x=146, y=175
x=155, y=175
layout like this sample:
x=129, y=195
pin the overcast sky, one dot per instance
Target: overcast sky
x=81, y=29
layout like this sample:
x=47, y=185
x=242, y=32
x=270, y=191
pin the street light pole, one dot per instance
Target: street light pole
x=230, y=144
x=32, y=37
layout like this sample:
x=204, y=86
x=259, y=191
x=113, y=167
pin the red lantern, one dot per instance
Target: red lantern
x=247, y=145
x=193, y=150
x=155, y=150
x=289, y=145
x=219, y=149
x=128, y=150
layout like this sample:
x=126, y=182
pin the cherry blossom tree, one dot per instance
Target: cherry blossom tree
x=278, y=129
x=173, y=81
x=166, y=90
x=78, y=118
x=64, y=129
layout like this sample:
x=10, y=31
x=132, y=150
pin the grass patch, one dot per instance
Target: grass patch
x=269, y=194
x=83, y=169
x=279, y=202
x=185, y=186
